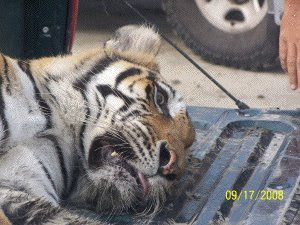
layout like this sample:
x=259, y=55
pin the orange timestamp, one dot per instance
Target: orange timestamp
x=263, y=195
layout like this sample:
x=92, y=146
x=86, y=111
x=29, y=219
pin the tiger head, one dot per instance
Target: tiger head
x=135, y=142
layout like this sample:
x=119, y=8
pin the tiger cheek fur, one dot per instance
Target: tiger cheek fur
x=178, y=132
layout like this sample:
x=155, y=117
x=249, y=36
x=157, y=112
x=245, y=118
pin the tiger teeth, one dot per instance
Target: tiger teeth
x=114, y=154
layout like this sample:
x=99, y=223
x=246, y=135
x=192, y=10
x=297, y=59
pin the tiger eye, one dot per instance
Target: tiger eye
x=160, y=99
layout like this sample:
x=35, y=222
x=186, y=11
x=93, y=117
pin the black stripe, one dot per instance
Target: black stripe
x=6, y=75
x=98, y=68
x=61, y=163
x=75, y=175
x=149, y=128
x=151, y=76
x=131, y=85
x=149, y=92
x=81, y=86
x=142, y=100
x=44, y=107
x=141, y=132
x=53, y=99
x=127, y=73
x=171, y=89
x=46, y=171
x=2, y=113
x=51, y=195
x=106, y=90
x=139, y=147
x=82, y=129
x=134, y=114
x=146, y=141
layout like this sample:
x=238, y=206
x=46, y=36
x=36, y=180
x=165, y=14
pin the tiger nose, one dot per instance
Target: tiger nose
x=168, y=161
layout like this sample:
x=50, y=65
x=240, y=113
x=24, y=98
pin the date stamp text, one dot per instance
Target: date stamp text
x=252, y=195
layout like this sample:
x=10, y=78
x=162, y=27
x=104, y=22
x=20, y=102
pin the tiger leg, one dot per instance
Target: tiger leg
x=19, y=208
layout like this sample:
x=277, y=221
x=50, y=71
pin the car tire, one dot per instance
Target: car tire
x=254, y=49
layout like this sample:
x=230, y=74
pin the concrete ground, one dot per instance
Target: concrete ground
x=257, y=89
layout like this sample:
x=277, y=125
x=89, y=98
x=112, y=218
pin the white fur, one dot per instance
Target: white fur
x=135, y=39
x=2, y=132
x=17, y=109
x=175, y=105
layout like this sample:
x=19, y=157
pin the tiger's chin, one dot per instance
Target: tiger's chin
x=113, y=190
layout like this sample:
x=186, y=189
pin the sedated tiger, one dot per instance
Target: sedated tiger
x=101, y=129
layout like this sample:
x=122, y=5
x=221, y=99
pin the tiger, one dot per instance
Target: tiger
x=101, y=129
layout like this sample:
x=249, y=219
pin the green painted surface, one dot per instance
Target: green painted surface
x=33, y=28
x=11, y=27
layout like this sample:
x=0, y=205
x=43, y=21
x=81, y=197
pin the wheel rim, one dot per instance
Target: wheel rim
x=233, y=16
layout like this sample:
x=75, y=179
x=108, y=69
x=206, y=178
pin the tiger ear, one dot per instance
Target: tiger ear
x=133, y=38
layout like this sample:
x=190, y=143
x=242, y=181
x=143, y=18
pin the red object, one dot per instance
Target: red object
x=73, y=14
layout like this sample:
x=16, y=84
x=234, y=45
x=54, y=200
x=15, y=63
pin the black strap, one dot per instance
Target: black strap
x=241, y=105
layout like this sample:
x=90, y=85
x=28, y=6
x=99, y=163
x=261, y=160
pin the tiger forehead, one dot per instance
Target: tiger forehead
x=140, y=81
x=136, y=73
x=128, y=65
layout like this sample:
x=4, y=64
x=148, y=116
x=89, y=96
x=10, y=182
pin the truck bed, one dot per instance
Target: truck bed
x=255, y=153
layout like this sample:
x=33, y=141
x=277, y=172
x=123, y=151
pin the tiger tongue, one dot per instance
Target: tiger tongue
x=143, y=182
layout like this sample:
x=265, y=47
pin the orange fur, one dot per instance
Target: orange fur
x=179, y=133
